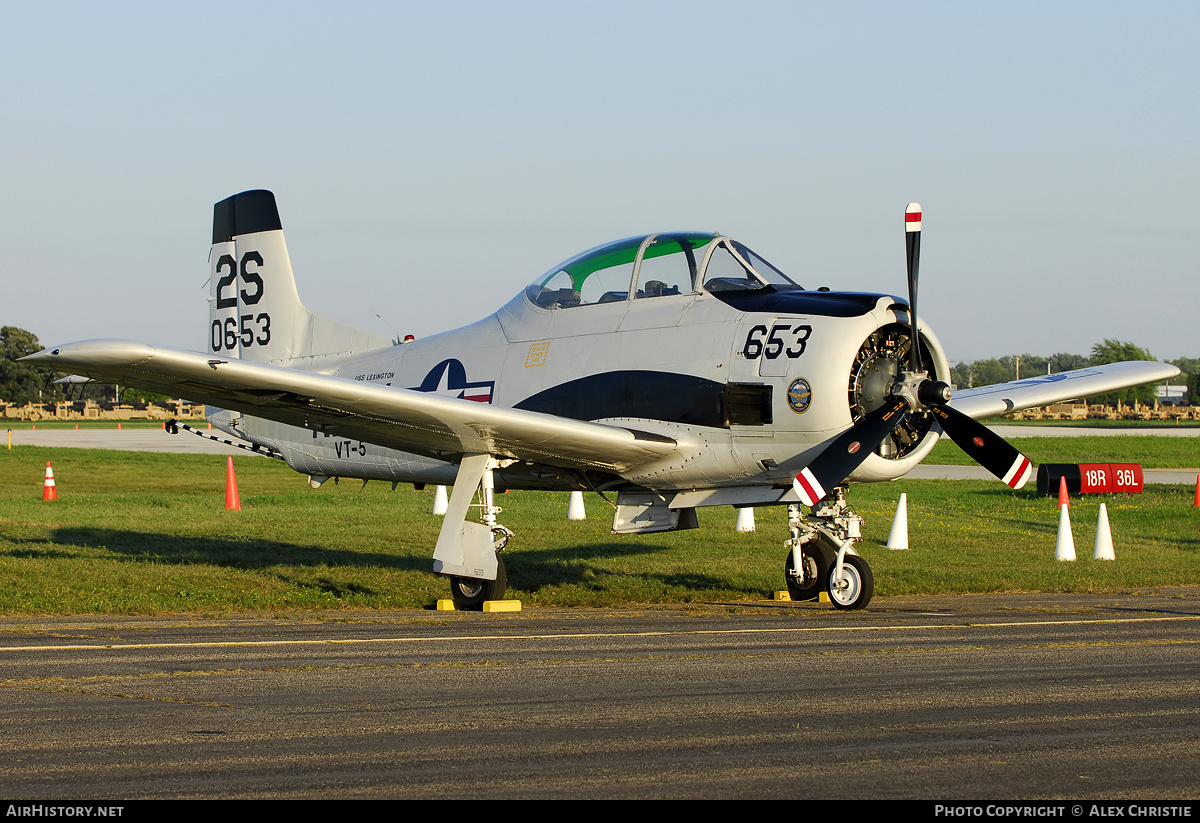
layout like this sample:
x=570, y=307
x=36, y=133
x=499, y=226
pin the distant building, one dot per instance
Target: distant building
x=1172, y=395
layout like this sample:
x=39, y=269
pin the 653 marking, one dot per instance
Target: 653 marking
x=775, y=343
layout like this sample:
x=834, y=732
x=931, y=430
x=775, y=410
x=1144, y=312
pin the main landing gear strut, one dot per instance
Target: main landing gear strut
x=467, y=552
x=821, y=555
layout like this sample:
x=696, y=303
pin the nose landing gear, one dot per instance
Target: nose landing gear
x=821, y=555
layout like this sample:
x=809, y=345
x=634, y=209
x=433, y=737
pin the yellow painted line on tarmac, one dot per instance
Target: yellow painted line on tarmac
x=596, y=635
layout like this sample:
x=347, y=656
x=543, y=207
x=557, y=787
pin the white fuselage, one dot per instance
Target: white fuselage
x=660, y=365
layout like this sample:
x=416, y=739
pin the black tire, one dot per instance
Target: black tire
x=860, y=586
x=819, y=555
x=469, y=593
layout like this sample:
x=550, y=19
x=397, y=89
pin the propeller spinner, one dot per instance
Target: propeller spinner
x=914, y=393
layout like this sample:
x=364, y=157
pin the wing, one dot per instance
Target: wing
x=987, y=401
x=412, y=421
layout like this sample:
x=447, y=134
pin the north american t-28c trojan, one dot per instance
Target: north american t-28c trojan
x=675, y=370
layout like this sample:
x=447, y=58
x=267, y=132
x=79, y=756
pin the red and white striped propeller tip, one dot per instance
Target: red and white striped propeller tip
x=912, y=217
x=807, y=487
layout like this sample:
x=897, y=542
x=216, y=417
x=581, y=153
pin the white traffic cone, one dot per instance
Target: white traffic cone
x=898, y=538
x=575, y=510
x=440, y=503
x=1104, y=544
x=745, y=521
x=1064, y=549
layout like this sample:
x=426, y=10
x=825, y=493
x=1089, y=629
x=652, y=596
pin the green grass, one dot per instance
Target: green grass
x=138, y=533
x=1177, y=423
x=1152, y=452
x=90, y=425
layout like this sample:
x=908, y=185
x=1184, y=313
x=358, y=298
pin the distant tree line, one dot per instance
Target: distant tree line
x=1004, y=369
x=22, y=383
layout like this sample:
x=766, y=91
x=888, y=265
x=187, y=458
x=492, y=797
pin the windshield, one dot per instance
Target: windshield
x=733, y=267
x=768, y=272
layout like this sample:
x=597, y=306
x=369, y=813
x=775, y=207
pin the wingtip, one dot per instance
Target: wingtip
x=95, y=352
x=43, y=356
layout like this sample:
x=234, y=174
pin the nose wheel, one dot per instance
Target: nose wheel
x=852, y=587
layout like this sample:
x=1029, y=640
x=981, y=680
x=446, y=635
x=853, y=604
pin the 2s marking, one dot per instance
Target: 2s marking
x=227, y=333
x=779, y=339
x=249, y=276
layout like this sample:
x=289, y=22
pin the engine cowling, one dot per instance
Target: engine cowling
x=878, y=365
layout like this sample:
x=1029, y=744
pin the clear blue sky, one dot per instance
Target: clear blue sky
x=431, y=159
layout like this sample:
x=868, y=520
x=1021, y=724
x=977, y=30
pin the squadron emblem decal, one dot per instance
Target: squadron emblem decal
x=449, y=379
x=799, y=395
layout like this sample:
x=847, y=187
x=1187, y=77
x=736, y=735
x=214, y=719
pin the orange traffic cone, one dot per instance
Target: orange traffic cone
x=76, y=427
x=1197, y=503
x=232, y=501
x=118, y=427
x=49, y=491
x=1063, y=498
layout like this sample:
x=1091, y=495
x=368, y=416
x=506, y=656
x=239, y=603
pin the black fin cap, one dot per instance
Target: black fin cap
x=245, y=213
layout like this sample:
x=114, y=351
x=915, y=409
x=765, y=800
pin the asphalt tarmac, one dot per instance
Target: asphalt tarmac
x=1017, y=697
x=210, y=441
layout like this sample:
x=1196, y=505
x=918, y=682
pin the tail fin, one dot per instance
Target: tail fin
x=254, y=311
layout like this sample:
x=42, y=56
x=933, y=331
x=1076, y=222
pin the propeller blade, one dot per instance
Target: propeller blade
x=984, y=446
x=847, y=452
x=912, y=239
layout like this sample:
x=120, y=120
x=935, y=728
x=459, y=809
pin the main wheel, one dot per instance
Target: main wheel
x=856, y=586
x=817, y=557
x=470, y=592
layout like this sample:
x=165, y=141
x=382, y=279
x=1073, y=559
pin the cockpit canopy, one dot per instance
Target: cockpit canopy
x=655, y=265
